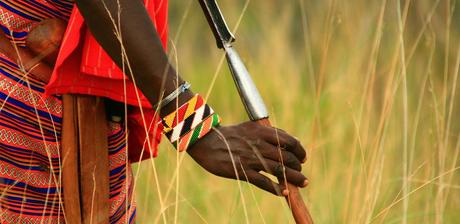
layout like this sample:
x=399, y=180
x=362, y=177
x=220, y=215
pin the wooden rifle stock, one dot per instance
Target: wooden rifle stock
x=294, y=199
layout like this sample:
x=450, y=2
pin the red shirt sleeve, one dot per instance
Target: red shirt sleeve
x=83, y=67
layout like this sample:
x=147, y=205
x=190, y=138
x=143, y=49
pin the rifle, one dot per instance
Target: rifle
x=249, y=94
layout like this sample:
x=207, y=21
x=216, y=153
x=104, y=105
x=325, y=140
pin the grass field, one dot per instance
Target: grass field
x=370, y=87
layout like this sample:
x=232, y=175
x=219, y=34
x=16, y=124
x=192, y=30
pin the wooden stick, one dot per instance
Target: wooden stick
x=294, y=199
x=69, y=155
x=85, y=160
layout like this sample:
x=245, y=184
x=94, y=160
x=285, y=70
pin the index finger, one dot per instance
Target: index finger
x=282, y=139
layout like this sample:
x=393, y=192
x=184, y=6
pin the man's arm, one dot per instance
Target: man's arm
x=25, y=58
x=149, y=63
x=253, y=147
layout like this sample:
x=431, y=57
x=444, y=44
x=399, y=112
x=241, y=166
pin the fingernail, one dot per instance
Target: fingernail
x=285, y=192
x=304, y=160
x=305, y=183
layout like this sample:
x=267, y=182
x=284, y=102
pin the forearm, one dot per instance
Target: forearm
x=27, y=59
x=144, y=53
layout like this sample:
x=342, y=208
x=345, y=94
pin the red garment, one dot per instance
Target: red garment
x=83, y=67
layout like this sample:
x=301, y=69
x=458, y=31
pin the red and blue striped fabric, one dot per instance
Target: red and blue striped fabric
x=30, y=131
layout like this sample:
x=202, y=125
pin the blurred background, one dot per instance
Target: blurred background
x=370, y=87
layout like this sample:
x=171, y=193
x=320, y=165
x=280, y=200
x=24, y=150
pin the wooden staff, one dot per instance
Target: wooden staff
x=249, y=94
x=85, y=163
x=299, y=209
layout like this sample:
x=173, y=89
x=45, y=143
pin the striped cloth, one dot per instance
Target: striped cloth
x=30, y=131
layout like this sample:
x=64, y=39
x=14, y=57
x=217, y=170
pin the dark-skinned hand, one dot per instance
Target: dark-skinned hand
x=42, y=42
x=249, y=148
x=253, y=147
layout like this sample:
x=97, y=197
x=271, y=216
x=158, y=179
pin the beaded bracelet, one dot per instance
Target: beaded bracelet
x=190, y=122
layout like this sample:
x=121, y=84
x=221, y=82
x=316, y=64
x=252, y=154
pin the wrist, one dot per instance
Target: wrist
x=176, y=103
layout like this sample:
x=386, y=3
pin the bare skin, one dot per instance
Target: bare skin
x=24, y=57
x=45, y=39
x=247, y=148
x=239, y=151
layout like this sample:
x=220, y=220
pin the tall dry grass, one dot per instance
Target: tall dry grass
x=370, y=87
